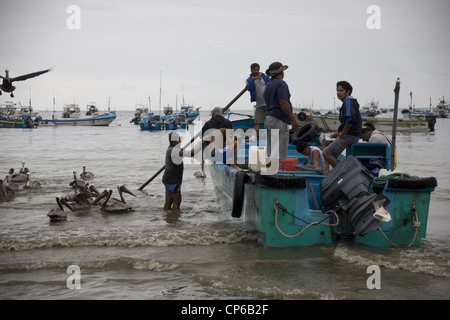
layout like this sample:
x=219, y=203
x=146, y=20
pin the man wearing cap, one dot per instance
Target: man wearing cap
x=371, y=135
x=279, y=112
x=216, y=122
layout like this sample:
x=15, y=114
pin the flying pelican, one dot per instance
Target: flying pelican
x=86, y=174
x=5, y=191
x=32, y=184
x=58, y=213
x=113, y=205
x=7, y=81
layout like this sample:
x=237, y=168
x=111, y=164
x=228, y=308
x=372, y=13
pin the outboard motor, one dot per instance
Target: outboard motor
x=347, y=186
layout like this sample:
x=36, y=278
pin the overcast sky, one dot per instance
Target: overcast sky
x=203, y=50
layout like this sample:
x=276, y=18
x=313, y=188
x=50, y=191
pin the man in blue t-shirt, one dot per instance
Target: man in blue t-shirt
x=279, y=112
x=349, y=130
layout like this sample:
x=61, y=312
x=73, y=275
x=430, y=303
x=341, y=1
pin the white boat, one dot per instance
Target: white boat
x=330, y=122
x=91, y=109
x=443, y=108
x=71, y=111
x=103, y=119
x=16, y=112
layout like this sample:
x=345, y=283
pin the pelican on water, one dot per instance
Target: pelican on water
x=11, y=184
x=18, y=176
x=77, y=183
x=82, y=199
x=7, y=81
x=6, y=191
x=114, y=205
x=32, y=184
x=86, y=174
x=58, y=213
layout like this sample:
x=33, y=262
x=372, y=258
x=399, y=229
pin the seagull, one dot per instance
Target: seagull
x=7, y=81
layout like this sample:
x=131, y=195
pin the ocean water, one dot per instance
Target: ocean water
x=202, y=253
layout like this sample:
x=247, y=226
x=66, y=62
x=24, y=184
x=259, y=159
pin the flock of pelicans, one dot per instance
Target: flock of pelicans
x=85, y=195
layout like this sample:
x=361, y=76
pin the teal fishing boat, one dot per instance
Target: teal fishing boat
x=167, y=122
x=25, y=122
x=296, y=207
x=299, y=206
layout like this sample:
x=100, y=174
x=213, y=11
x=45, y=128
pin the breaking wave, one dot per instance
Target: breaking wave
x=425, y=259
x=157, y=239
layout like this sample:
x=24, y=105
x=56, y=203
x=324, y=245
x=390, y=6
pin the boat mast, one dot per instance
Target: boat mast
x=160, y=85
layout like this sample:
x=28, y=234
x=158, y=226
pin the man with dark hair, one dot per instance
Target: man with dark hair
x=256, y=83
x=371, y=135
x=279, y=112
x=313, y=154
x=349, y=130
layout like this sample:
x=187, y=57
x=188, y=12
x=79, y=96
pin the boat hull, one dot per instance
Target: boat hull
x=330, y=123
x=102, y=120
x=286, y=213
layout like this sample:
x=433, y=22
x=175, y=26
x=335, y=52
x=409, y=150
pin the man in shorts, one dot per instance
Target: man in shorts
x=256, y=83
x=279, y=114
x=173, y=172
x=349, y=130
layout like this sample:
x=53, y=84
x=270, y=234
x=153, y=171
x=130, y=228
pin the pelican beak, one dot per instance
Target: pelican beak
x=125, y=189
x=64, y=202
x=101, y=196
x=94, y=189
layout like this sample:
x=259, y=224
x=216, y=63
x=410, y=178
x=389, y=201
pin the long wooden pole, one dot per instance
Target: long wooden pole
x=193, y=139
x=394, y=124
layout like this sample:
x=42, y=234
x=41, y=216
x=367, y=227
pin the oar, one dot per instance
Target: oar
x=193, y=139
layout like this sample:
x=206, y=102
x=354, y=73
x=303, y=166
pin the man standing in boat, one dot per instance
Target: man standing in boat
x=349, y=130
x=279, y=113
x=256, y=83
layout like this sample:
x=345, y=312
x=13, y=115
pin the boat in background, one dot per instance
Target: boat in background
x=25, y=122
x=166, y=122
x=16, y=112
x=141, y=112
x=189, y=113
x=91, y=109
x=443, y=108
x=72, y=117
x=330, y=122
x=103, y=119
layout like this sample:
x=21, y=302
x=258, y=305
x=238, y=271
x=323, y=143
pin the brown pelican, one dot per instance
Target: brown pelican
x=11, y=184
x=77, y=183
x=7, y=81
x=32, y=184
x=18, y=177
x=86, y=174
x=5, y=191
x=113, y=205
x=58, y=213
x=82, y=199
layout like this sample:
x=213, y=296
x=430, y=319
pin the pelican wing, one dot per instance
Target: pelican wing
x=29, y=75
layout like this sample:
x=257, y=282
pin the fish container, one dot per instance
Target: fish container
x=257, y=157
x=288, y=165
